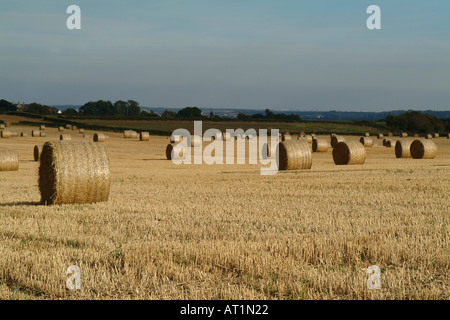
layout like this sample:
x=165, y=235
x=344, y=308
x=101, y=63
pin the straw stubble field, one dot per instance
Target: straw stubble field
x=226, y=232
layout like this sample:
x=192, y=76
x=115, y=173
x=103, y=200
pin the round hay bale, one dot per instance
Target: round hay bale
x=8, y=124
x=2, y=126
x=416, y=135
x=37, y=152
x=74, y=172
x=81, y=131
x=366, y=142
x=448, y=135
x=69, y=126
x=428, y=136
x=15, y=133
x=42, y=127
x=286, y=137
x=390, y=143
x=404, y=135
x=312, y=135
x=144, y=136
x=42, y=134
x=35, y=133
x=336, y=139
x=349, y=153
x=196, y=141
x=390, y=134
x=380, y=136
x=294, y=155
x=24, y=134
x=175, y=151
x=74, y=128
x=367, y=134
x=9, y=161
x=319, y=145
x=402, y=148
x=134, y=135
x=309, y=138
x=60, y=129
x=302, y=134
x=435, y=135
x=127, y=134
x=423, y=149
x=65, y=137
x=99, y=137
x=6, y=134
x=86, y=135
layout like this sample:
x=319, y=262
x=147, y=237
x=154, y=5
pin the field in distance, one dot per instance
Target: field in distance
x=226, y=232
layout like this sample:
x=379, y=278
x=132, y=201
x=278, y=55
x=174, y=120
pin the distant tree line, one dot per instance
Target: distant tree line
x=415, y=121
x=269, y=115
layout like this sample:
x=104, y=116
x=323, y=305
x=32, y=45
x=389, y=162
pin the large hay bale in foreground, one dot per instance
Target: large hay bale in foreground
x=319, y=145
x=294, y=155
x=175, y=151
x=423, y=149
x=144, y=136
x=74, y=172
x=37, y=152
x=349, y=153
x=366, y=142
x=9, y=161
x=99, y=137
x=6, y=134
x=402, y=148
x=65, y=137
x=336, y=139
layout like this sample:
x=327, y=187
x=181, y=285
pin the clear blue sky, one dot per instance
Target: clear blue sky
x=278, y=54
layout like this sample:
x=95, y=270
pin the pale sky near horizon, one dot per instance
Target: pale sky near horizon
x=255, y=54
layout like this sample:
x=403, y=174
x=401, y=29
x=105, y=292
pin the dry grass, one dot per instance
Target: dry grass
x=233, y=234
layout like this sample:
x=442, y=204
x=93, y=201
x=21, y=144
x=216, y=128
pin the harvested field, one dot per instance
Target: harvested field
x=233, y=234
